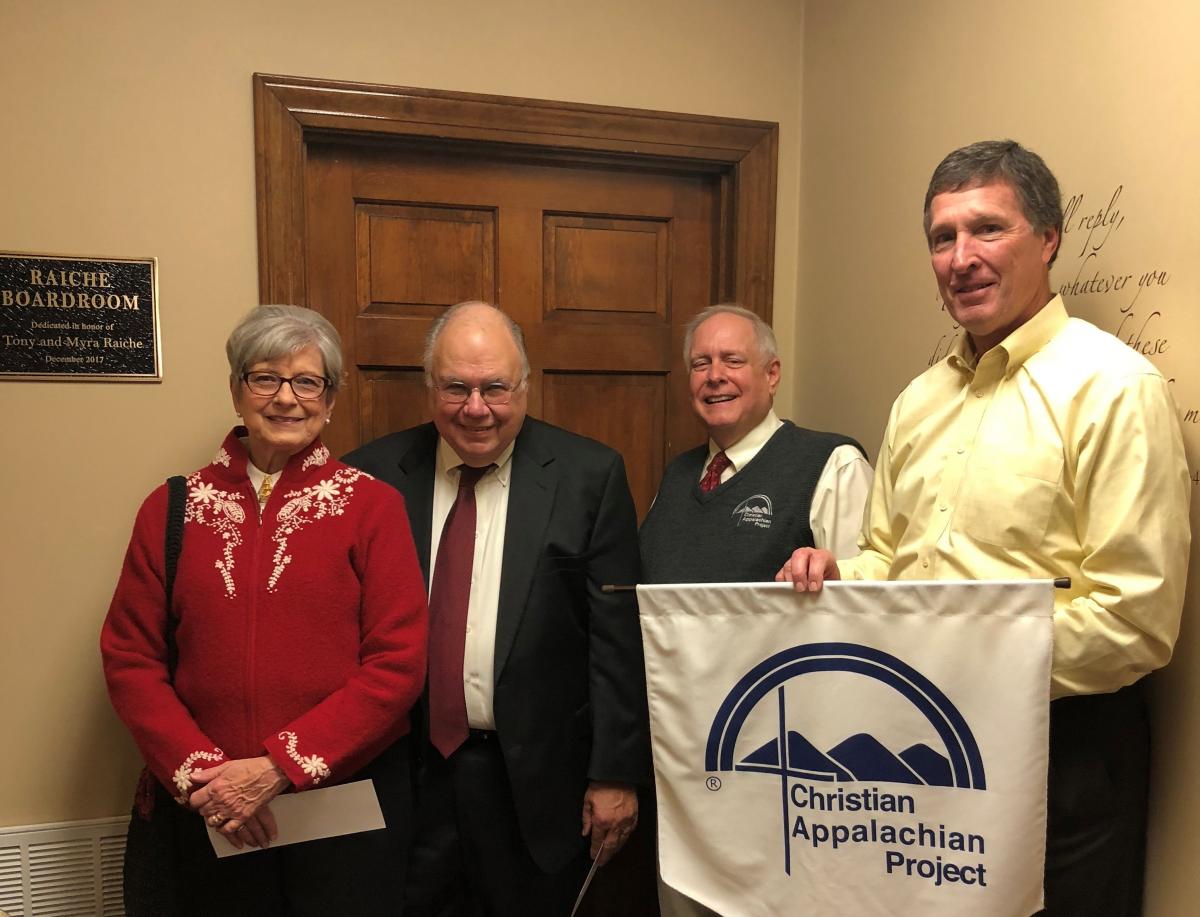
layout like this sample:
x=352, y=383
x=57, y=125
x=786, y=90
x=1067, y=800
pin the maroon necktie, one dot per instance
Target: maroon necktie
x=712, y=477
x=448, y=601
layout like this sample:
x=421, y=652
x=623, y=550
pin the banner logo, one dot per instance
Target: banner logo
x=813, y=779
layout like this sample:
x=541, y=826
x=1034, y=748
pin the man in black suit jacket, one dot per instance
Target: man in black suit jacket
x=553, y=675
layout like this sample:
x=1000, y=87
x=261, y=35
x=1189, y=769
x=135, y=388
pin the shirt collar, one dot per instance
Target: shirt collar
x=233, y=459
x=448, y=462
x=257, y=476
x=741, y=452
x=1021, y=344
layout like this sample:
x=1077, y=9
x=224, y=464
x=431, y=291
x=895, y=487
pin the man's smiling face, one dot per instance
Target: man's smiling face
x=476, y=349
x=732, y=384
x=991, y=265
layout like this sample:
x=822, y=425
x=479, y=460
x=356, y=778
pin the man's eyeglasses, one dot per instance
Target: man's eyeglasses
x=304, y=387
x=493, y=393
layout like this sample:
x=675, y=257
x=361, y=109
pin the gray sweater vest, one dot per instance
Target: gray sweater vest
x=745, y=529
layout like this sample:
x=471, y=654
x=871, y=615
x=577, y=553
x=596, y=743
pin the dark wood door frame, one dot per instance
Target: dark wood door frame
x=290, y=112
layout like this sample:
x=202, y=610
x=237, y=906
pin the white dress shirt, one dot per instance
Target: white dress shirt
x=836, y=513
x=491, y=514
x=257, y=476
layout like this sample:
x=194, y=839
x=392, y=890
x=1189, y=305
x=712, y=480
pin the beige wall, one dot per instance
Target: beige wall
x=128, y=132
x=1106, y=91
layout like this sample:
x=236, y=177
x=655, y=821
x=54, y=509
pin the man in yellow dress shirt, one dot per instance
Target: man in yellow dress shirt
x=1040, y=447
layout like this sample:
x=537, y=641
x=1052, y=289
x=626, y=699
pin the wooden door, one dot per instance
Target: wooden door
x=600, y=266
x=600, y=229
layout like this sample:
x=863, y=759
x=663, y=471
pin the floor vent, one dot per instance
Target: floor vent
x=68, y=869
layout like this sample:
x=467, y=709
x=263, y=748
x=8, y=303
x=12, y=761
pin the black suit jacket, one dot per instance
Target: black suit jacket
x=569, y=695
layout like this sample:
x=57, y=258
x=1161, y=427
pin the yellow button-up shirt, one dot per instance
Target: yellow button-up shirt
x=1057, y=453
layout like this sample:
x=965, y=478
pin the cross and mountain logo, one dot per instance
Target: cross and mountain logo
x=952, y=760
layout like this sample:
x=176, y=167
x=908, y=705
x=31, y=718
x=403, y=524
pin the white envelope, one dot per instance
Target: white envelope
x=314, y=814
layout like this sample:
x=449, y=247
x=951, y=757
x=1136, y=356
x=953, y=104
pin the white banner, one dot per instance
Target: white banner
x=872, y=749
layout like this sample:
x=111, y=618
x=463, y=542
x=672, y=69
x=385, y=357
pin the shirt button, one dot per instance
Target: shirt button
x=468, y=628
x=941, y=509
x=925, y=563
x=979, y=394
x=961, y=450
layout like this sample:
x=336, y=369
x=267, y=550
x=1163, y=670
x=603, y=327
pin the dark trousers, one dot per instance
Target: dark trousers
x=469, y=859
x=1098, y=789
x=357, y=874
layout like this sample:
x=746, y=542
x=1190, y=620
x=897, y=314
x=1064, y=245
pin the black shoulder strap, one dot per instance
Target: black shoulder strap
x=176, y=500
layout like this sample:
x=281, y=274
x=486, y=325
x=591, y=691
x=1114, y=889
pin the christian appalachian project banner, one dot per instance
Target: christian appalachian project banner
x=872, y=749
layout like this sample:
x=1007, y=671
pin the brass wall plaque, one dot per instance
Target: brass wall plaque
x=68, y=318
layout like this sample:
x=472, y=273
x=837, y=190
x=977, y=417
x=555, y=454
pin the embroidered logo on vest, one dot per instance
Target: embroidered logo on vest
x=755, y=511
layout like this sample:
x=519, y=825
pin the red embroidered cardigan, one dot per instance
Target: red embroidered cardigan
x=301, y=635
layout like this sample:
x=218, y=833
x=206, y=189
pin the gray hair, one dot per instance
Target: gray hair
x=763, y=334
x=1002, y=160
x=439, y=325
x=269, y=332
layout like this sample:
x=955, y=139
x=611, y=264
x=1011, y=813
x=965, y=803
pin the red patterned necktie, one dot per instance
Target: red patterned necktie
x=712, y=477
x=448, y=601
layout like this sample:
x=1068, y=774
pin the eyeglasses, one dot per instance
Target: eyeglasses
x=494, y=393
x=304, y=387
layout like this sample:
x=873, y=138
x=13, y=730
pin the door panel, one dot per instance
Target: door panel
x=601, y=267
x=625, y=410
x=423, y=256
x=598, y=264
x=391, y=400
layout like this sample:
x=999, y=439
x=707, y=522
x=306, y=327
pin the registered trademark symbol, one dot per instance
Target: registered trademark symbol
x=713, y=783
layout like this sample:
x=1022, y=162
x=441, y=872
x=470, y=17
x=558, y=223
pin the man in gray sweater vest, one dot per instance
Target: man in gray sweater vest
x=734, y=510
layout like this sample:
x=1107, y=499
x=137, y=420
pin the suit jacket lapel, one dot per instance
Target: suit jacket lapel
x=529, y=504
x=417, y=467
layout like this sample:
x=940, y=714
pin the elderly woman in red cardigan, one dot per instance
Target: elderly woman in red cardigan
x=300, y=635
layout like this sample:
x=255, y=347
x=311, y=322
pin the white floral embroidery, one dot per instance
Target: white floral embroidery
x=219, y=510
x=222, y=457
x=324, y=499
x=313, y=765
x=203, y=493
x=327, y=490
x=183, y=774
x=318, y=457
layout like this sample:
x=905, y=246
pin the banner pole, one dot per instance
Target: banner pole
x=1060, y=582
